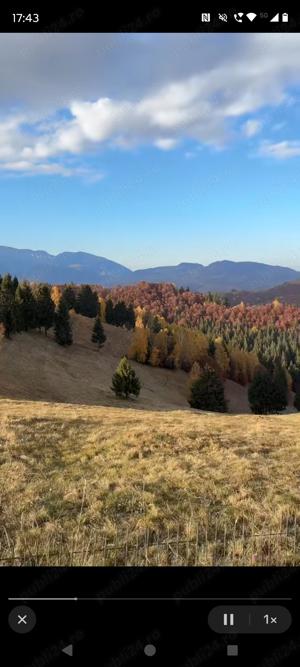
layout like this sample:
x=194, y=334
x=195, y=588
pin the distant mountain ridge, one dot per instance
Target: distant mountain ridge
x=288, y=293
x=82, y=267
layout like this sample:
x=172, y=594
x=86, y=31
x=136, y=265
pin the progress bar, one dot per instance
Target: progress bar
x=145, y=599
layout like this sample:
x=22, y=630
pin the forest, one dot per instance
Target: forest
x=270, y=331
x=172, y=328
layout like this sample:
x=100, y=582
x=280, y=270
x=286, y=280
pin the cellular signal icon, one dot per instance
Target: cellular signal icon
x=275, y=19
x=251, y=16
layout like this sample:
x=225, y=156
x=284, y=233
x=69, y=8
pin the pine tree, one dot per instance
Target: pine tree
x=297, y=398
x=8, y=284
x=280, y=389
x=207, y=392
x=98, y=335
x=125, y=381
x=87, y=302
x=130, y=319
x=25, y=307
x=45, y=308
x=7, y=315
x=109, y=312
x=69, y=297
x=261, y=394
x=62, y=325
x=7, y=305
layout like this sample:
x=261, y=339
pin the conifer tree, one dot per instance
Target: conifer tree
x=25, y=307
x=45, y=308
x=62, y=325
x=8, y=284
x=125, y=381
x=69, y=297
x=98, y=335
x=7, y=305
x=297, y=398
x=207, y=392
x=87, y=302
x=109, y=312
x=280, y=389
x=7, y=316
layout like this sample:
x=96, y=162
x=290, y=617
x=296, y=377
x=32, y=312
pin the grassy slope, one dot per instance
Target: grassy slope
x=72, y=472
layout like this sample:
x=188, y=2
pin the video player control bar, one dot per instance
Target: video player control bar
x=250, y=619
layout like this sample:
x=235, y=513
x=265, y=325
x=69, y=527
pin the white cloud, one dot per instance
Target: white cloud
x=252, y=127
x=203, y=88
x=165, y=144
x=281, y=150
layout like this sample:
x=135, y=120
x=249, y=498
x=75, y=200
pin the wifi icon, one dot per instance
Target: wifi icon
x=251, y=16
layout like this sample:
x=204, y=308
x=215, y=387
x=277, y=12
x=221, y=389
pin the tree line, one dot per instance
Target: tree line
x=25, y=306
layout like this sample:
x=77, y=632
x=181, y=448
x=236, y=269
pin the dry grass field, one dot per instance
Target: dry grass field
x=88, y=479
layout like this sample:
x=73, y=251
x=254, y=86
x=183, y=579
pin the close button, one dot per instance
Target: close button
x=22, y=619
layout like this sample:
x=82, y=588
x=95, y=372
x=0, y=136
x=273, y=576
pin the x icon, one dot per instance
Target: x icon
x=22, y=619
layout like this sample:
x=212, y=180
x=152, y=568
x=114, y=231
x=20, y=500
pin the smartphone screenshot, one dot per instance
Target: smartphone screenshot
x=150, y=336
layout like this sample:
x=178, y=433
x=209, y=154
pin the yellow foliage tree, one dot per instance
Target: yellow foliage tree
x=159, y=348
x=139, y=346
x=222, y=357
x=56, y=293
x=190, y=346
x=277, y=305
x=238, y=365
x=139, y=312
x=243, y=366
x=102, y=308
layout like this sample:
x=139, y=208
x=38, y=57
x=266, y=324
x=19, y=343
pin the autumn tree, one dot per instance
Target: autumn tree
x=98, y=335
x=139, y=347
x=221, y=357
x=125, y=381
x=56, y=293
x=190, y=346
x=152, y=322
x=159, y=348
x=102, y=309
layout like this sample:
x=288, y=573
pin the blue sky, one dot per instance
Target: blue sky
x=152, y=149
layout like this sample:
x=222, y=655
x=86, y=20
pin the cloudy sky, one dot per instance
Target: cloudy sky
x=152, y=149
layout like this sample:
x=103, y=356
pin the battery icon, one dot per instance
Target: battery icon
x=285, y=18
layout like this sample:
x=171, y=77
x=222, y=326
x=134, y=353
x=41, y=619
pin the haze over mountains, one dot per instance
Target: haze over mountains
x=82, y=267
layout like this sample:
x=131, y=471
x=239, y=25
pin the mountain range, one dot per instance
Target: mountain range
x=82, y=267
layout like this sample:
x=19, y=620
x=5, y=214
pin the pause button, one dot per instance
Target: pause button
x=228, y=619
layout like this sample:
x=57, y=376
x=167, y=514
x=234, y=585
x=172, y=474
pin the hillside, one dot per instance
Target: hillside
x=34, y=367
x=83, y=267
